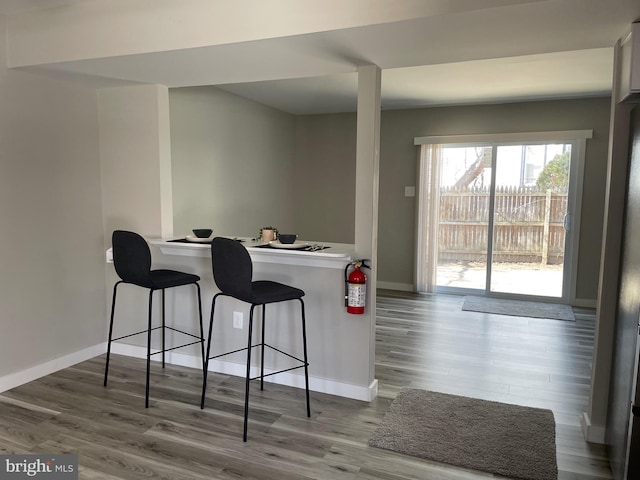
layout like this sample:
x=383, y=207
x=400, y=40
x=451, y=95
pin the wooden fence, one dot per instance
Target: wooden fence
x=528, y=225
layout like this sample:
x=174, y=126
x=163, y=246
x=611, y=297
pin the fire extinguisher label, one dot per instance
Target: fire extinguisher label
x=357, y=294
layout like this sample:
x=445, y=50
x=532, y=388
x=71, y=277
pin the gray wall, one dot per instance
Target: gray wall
x=325, y=172
x=232, y=161
x=52, y=281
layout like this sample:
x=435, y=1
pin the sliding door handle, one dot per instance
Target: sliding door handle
x=566, y=222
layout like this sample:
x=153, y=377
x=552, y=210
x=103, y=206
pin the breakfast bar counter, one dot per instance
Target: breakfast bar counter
x=317, y=254
x=338, y=342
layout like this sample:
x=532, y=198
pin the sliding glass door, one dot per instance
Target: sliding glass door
x=503, y=218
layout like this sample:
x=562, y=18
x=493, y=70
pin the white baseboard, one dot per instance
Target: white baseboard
x=402, y=287
x=25, y=376
x=591, y=433
x=364, y=393
x=321, y=385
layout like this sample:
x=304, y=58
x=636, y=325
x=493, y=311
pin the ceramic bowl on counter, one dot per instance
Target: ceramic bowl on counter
x=202, y=232
x=287, y=238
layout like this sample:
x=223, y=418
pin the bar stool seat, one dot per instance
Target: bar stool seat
x=132, y=262
x=232, y=273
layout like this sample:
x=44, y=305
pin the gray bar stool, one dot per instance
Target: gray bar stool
x=132, y=261
x=233, y=272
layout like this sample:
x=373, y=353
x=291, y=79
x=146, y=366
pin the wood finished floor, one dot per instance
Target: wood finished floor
x=422, y=342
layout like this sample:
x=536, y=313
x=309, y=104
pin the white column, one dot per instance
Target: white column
x=367, y=179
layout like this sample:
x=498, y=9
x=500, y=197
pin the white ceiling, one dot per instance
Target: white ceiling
x=526, y=51
x=582, y=73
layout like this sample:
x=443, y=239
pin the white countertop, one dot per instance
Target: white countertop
x=337, y=255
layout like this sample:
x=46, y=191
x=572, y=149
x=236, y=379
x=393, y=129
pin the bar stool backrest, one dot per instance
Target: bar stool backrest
x=232, y=268
x=131, y=258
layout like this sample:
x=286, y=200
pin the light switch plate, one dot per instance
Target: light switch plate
x=410, y=191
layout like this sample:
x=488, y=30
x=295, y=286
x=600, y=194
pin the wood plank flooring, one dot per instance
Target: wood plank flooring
x=422, y=341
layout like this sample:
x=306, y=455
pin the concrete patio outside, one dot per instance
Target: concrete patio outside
x=518, y=278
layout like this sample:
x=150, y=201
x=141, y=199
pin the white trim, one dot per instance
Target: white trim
x=365, y=393
x=481, y=138
x=25, y=376
x=592, y=433
x=402, y=287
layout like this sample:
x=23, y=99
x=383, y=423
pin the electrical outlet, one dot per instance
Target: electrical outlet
x=237, y=319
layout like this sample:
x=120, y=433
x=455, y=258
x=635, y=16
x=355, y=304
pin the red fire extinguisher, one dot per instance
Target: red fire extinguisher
x=355, y=287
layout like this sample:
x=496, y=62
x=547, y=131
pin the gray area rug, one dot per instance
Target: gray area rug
x=518, y=308
x=503, y=439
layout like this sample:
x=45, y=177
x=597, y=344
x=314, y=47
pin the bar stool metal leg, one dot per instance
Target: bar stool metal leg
x=163, y=329
x=201, y=328
x=306, y=360
x=248, y=377
x=113, y=310
x=146, y=398
x=208, y=354
x=264, y=307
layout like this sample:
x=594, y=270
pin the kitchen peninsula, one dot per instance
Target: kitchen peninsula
x=321, y=254
x=335, y=338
